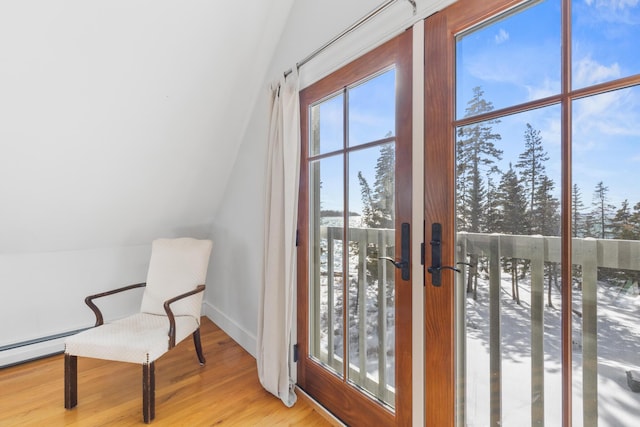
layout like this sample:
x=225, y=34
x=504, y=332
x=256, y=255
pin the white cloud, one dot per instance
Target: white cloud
x=548, y=87
x=612, y=4
x=589, y=72
x=502, y=36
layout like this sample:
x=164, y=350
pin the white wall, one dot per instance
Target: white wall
x=119, y=123
x=238, y=225
x=236, y=272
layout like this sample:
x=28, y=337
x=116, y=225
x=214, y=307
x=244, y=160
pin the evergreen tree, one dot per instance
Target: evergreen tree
x=476, y=156
x=546, y=213
x=602, y=211
x=622, y=226
x=531, y=165
x=577, y=226
x=512, y=201
x=385, y=186
x=378, y=204
x=547, y=222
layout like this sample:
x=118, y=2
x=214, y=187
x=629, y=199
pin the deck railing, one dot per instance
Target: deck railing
x=588, y=253
x=371, y=353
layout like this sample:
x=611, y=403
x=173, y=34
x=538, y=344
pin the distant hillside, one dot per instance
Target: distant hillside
x=331, y=212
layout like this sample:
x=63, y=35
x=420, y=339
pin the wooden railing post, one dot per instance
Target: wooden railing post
x=495, y=357
x=536, y=247
x=589, y=258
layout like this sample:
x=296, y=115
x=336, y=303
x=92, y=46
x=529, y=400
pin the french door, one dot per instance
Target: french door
x=529, y=152
x=354, y=284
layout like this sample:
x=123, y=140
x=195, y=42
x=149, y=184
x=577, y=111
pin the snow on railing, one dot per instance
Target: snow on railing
x=370, y=326
x=590, y=254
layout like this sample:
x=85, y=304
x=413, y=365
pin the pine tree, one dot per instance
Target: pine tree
x=547, y=220
x=602, y=211
x=622, y=226
x=378, y=205
x=577, y=226
x=476, y=155
x=531, y=165
x=512, y=201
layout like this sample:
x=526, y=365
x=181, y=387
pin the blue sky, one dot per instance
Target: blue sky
x=517, y=59
x=371, y=118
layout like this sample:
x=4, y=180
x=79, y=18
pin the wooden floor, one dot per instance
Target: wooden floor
x=225, y=391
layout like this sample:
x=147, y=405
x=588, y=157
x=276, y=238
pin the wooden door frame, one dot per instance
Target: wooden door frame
x=357, y=407
x=439, y=196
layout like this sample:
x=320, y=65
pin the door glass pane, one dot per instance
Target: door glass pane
x=326, y=226
x=372, y=109
x=606, y=256
x=327, y=126
x=508, y=298
x=371, y=280
x=514, y=59
x=605, y=41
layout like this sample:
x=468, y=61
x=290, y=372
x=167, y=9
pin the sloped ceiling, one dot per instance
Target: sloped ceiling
x=120, y=120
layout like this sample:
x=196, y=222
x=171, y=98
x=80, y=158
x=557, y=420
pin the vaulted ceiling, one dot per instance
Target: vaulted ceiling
x=120, y=120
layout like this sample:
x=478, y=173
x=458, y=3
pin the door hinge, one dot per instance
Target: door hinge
x=296, y=352
x=297, y=238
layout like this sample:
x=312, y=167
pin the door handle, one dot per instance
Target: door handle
x=405, y=252
x=436, y=255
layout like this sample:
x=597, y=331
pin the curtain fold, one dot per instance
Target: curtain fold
x=277, y=296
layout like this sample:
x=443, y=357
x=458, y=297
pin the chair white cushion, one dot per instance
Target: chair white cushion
x=177, y=266
x=140, y=338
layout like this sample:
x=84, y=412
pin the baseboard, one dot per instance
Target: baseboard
x=15, y=356
x=46, y=346
x=240, y=335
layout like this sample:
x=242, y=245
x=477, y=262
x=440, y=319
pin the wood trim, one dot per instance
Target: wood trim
x=566, y=241
x=439, y=165
x=356, y=407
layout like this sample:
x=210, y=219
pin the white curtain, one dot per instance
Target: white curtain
x=277, y=297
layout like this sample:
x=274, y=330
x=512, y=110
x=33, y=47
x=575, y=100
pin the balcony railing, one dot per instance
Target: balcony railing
x=590, y=254
x=370, y=331
x=372, y=366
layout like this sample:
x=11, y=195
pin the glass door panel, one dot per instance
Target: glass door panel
x=372, y=279
x=355, y=192
x=606, y=257
x=514, y=58
x=508, y=228
x=604, y=43
x=326, y=294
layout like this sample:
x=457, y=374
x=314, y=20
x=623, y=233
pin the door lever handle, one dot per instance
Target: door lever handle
x=436, y=255
x=433, y=269
x=405, y=252
x=396, y=264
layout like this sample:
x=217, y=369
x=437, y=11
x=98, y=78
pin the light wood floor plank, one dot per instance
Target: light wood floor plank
x=225, y=391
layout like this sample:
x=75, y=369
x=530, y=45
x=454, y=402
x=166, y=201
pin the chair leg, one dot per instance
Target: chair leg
x=148, y=392
x=70, y=381
x=196, y=342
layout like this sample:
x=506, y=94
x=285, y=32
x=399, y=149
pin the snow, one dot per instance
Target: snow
x=618, y=351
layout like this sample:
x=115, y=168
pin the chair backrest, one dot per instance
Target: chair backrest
x=177, y=266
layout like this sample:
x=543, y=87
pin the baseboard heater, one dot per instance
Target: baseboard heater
x=37, y=348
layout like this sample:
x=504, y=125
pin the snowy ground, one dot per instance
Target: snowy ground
x=618, y=351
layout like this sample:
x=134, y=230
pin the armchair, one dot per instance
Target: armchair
x=170, y=311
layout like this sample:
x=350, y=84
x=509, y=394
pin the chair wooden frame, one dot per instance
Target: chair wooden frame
x=148, y=369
